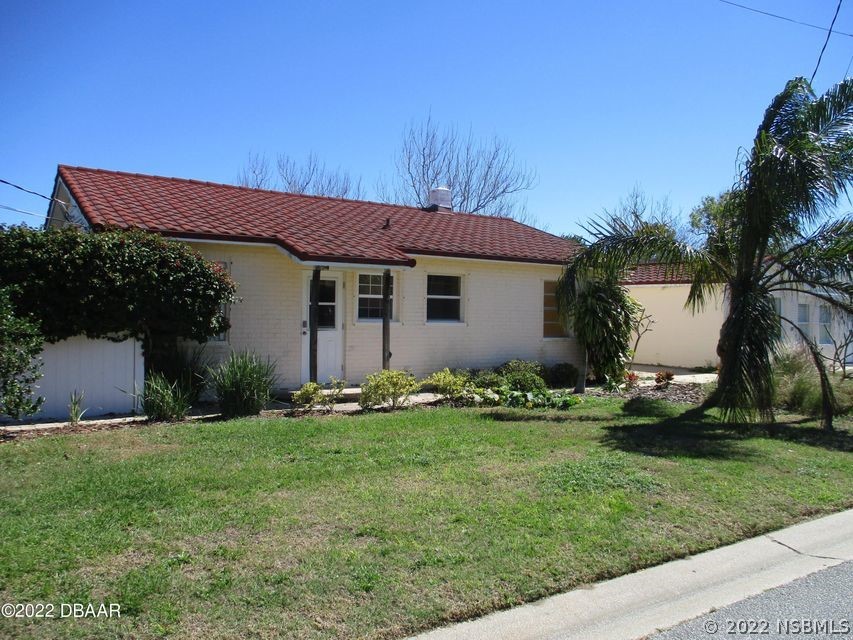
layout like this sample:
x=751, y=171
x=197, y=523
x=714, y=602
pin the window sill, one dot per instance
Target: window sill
x=446, y=322
x=373, y=321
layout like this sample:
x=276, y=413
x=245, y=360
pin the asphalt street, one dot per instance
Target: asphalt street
x=819, y=605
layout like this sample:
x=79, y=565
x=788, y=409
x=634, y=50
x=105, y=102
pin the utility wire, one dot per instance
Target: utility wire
x=64, y=205
x=29, y=213
x=775, y=15
x=19, y=187
x=826, y=42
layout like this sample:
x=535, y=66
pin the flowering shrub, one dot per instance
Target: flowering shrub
x=309, y=395
x=387, y=387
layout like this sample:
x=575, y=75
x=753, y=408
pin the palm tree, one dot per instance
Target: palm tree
x=602, y=316
x=773, y=233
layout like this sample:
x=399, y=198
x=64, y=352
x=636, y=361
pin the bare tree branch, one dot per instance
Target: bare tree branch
x=483, y=175
x=311, y=177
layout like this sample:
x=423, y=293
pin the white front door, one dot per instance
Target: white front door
x=330, y=331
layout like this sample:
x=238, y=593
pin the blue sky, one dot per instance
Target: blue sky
x=596, y=96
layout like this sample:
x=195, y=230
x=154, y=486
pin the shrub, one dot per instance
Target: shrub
x=243, y=384
x=603, y=318
x=164, y=401
x=562, y=375
x=796, y=382
x=632, y=380
x=488, y=379
x=525, y=381
x=334, y=393
x=309, y=395
x=663, y=379
x=522, y=366
x=540, y=398
x=113, y=284
x=387, y=387
x=20, y=345
x=452, y=387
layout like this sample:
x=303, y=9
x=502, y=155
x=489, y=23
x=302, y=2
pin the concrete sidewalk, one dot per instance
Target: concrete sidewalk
x=641, y=603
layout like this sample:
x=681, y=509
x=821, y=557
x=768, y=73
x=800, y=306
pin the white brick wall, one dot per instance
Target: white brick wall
x=501, y=306
x=502, y=319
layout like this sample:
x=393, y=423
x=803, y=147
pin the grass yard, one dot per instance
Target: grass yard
x=378, y=526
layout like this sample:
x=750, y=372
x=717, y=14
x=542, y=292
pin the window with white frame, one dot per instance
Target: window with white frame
x=825, y=324
x=370, y=296
x=803, y=319
x=224, y=310
x=444, y=299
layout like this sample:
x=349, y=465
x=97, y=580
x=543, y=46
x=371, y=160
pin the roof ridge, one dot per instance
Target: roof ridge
x=289, y=193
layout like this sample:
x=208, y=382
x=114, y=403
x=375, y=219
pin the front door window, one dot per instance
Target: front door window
x=326, y=309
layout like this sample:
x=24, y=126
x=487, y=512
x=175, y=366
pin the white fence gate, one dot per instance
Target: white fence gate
x=106, y=372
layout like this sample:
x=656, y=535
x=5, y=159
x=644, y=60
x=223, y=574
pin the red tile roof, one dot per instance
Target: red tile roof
x=312, y=228
x=654, y=273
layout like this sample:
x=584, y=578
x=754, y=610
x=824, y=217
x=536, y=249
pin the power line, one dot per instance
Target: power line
x=19, y=187
x=29, y=213
x=826, y=42
x=64, y=205
x=775, y=15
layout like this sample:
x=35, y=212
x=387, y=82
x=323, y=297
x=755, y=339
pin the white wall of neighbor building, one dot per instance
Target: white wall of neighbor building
x=678, y=338
x=811, y=315
x=106, y=372
x=502, y=309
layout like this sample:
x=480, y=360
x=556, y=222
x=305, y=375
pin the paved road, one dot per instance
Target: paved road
x=823, y=600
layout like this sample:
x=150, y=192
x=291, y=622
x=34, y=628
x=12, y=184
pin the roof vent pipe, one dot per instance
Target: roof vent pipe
x=440, y=199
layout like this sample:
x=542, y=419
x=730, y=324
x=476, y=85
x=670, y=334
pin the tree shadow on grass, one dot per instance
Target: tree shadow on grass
x=528, y=415
x=695, y=433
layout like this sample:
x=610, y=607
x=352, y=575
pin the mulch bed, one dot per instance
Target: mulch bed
x=688, y=392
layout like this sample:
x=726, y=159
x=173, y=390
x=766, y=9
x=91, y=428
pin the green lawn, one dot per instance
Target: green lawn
x=381, y=525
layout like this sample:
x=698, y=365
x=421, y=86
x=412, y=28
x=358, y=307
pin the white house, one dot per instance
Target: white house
x=464, y=290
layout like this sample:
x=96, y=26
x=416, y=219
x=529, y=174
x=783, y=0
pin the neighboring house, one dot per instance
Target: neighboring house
x=678, y=337
x=466, y=290
x=820, y=322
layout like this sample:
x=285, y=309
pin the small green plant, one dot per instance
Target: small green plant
x=562, y=375
x=565, y=400
x=164, y=401
x=243, y=384
x=452, y=387
x=388, y=387
x=309, y=395
x=334, y=393
x=75, y=407
x=614, y=384
x=664, y=378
